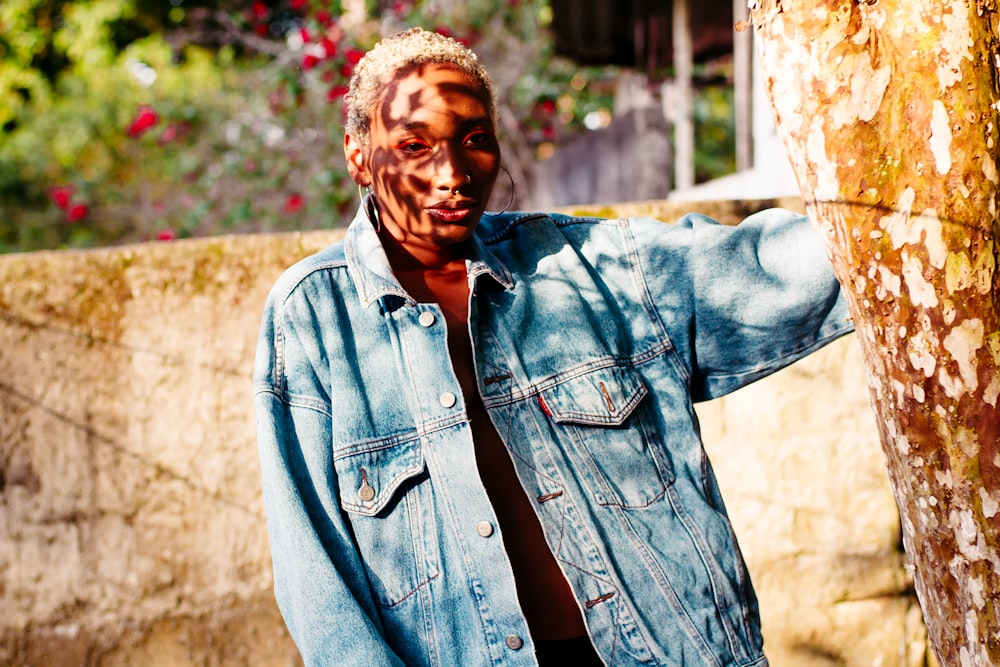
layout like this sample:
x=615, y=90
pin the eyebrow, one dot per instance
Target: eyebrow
x=414, y=125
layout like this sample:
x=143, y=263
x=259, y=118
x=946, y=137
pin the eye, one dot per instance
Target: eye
x=476, y=138
x=411, y=146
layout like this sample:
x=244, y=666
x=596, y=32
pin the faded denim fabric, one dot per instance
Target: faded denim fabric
x=591, y=339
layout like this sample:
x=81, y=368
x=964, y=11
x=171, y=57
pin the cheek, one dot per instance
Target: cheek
x=488, y=163
x=400, y=184
x=490, y=170
x=399, y=176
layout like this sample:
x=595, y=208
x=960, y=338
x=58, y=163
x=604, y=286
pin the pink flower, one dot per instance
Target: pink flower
x=294, y=203
x=62, y=194
x=166, y=235
x=76, y=212
x=145, y=118
x=170, y=133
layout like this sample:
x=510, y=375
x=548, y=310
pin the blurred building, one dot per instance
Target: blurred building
x=648, y=150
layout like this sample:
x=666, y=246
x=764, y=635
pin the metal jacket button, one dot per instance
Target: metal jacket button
x=514, y=642
x=484, y=528
x=366, y=492
x=447, y=399
x=426, y=318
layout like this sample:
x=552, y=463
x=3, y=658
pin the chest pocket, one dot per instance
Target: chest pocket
x=602, y=420
x=385, y=493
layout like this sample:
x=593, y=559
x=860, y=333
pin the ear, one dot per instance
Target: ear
x=356, y=165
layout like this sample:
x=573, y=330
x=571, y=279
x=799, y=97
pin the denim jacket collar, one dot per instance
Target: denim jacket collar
x=369, y=267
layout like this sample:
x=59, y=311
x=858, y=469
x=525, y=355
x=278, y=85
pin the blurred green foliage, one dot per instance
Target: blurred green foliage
x=133, y=120
x=714, y=127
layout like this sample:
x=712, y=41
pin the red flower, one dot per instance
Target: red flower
x=304, y=34
x=297, y=4
x=261, y=30
x=441, y=30
x=323, y=17
x=259, y=10
x=166, y=235
x=144, y=119
x=309, y=61
x=346, y=70
x=549, y=133
x=61, y=194
x=336, y=93
x=329, y=47
x=294, y=203
x=76, y=212
x=353, y=56
x=548, y=106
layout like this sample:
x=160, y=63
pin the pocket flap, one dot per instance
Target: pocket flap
x=605, y=397
x=368, y=479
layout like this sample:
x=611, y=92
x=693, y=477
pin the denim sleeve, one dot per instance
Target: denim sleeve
x=319, y=580
x=762, y=295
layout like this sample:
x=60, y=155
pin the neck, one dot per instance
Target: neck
x=410, y=257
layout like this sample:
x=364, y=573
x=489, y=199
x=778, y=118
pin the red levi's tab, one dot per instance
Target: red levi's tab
x=544, y=406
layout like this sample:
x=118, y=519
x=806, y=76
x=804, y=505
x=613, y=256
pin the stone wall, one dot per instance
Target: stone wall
x=131, y=526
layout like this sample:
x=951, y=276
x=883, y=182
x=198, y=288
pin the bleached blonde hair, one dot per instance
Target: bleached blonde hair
x=397, y=54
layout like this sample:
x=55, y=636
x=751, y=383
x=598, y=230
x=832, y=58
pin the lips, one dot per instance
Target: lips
x=452, y=211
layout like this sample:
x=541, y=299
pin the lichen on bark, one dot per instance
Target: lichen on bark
x=889, y=110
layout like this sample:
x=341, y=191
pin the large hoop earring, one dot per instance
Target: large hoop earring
x=510, y=200
x=370, y=206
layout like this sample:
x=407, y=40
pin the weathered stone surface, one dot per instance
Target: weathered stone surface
x=131, y=529
x=799, y=463
x=131, y=526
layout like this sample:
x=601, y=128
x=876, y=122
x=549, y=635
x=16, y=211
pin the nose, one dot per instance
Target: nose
x=450, y=174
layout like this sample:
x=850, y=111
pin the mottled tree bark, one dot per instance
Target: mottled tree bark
x=890, y=110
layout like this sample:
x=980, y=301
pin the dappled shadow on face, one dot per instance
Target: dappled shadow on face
x=432, y=109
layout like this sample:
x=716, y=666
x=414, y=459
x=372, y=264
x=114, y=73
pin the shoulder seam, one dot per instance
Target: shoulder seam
x=558, y=219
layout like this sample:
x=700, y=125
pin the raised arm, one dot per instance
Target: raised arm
x=762, y=294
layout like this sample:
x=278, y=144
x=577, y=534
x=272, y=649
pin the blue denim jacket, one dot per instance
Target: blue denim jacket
x=591, y=340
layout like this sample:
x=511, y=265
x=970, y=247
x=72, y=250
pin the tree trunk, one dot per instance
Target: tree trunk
x=890, y=111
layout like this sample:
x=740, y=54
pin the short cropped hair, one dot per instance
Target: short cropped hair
x=399, y=53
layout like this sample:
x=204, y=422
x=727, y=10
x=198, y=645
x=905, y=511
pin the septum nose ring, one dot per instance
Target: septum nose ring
x=467, y=181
